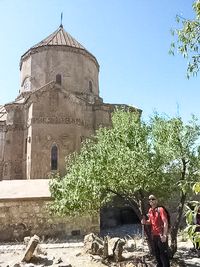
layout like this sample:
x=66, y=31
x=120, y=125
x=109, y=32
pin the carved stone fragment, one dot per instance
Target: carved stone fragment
x=34, y=241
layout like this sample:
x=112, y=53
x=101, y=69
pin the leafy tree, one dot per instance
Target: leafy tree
x=191, y=213
x=116, y=161
x=178, y=143
x=187, y=39
x=131, y=160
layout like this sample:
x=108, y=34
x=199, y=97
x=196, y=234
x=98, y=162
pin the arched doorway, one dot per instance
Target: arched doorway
x=119, y=220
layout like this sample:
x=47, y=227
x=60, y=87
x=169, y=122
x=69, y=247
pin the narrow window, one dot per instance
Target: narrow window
x=26, y=141
x=54, y=157
x=58, y=79
x=90, y=86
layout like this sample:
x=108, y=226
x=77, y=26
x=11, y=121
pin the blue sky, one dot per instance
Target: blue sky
x=130, y=39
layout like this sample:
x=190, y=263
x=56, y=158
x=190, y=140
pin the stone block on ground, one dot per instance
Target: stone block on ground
x=105, y=248
x=93, y=244
x=118, y=250
x=34, y=241
x=63, y=264
x=130, y=245
x=112, y=244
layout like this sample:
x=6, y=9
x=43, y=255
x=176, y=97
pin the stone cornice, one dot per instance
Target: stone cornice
x=112, y=107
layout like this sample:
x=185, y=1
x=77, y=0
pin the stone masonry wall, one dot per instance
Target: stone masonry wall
x=26, y=217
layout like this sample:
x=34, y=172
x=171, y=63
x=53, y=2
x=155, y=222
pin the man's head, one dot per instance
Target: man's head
x=153, y=201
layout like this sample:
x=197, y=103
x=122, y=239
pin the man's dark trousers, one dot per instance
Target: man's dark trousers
x=161, y=252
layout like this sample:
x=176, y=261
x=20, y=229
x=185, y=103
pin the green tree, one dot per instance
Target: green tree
x=187, y=39
x=191, y=212
x=117, y=161
x=130, y=160
x=178, y=143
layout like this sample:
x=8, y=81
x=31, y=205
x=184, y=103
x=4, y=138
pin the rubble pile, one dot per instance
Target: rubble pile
x=111, y=251
x=34, y=255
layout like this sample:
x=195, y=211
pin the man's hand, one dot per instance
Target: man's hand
x=143, y=221
x=163, y=238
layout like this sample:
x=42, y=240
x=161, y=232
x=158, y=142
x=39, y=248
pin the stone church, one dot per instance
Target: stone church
x=57, y=107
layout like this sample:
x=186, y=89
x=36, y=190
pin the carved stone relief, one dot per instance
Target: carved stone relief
x=59, y=120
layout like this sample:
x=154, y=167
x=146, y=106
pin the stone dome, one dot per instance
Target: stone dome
x=59, y=55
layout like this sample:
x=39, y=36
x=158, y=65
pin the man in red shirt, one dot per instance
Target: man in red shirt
x=157, y=218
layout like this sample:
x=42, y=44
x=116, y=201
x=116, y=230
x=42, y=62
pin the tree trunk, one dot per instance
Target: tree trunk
x=174, y=230
x=175, y=227
x=147, y=228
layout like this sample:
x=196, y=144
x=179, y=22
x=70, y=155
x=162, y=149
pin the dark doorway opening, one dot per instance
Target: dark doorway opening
x=128, y=216
x=118, y=218
x=119, y=221
x=114, y=216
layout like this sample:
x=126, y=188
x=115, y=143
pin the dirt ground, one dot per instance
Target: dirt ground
x=61, y=255
x=55, y=257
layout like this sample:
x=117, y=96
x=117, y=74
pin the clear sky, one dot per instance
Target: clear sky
x=129, y=38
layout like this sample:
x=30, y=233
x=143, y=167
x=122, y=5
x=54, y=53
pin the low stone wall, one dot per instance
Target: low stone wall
x=26, y=217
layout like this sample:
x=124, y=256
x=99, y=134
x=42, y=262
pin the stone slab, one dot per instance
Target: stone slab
x=22, y=189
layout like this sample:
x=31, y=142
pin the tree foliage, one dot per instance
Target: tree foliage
x=131, y=160
x=191, y=209
x=117, y=161
x=187, y=39
x=178, y=143
x=196, y=188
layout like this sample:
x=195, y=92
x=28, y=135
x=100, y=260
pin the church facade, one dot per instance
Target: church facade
x=57, y=108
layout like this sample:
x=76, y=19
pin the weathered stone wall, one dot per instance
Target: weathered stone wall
x=24, y=217
x=2, y=145
x=76, y=67
x=14, y=143
x=56, y=119
x=2, y=142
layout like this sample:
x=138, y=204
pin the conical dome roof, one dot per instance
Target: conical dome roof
x=59, y=37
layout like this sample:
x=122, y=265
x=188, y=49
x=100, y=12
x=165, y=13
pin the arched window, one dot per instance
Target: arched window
x=26, y=84
x=58, y=79
x=54, y=157
x=90, y=86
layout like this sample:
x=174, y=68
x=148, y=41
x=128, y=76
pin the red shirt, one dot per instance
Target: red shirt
x=156, y=219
